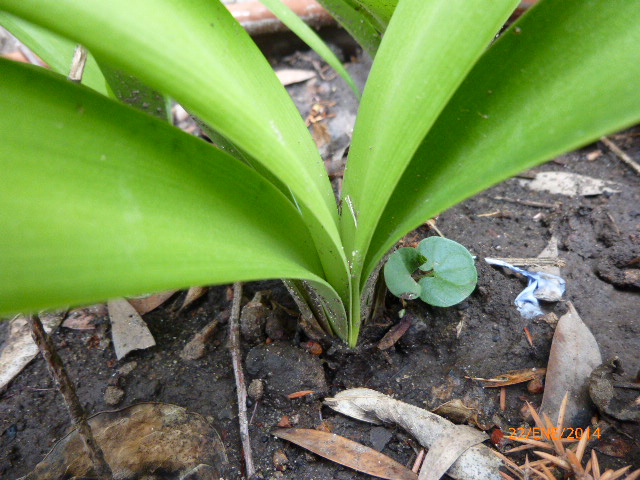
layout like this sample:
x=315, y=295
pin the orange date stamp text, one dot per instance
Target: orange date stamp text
x=538, y=433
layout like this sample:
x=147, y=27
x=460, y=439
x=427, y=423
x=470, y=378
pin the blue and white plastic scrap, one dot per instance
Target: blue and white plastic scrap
x=542, y=286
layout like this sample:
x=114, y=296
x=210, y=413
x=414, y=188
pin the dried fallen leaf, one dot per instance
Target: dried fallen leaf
x=18, y=349
x=476, y=463
x=574, y=354
x=447, y=449
x=456, y=411
x=139, y=442
x=128, y=330
x=85, y=318
x=395, y=333
x=193, y=294
x=146, y=304
x=289, y=76
x=570, y=184
x=512, y=377
x=299, y=394
x=347, y=452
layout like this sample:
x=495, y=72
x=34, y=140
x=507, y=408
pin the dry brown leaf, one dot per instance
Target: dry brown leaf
x=574, y=354
x=299, y=394
x=138, y=442
x=456, y=411
x=347, y=452
x=512, y=377
x=18, y=348
x=447, y=449
x=128, y=330
x=146, y=304
x=193, y=294
x=395, y=333
x=289, y=76
x=476, y=463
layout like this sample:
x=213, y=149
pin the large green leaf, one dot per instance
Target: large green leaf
x=311, y=38
x=564, y=75
x=210, y=65
x=412, y=78
x=55, y=50
x=380, y=10
x=357, y=22
x=100, y=200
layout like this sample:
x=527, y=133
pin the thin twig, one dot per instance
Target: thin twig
x=528, y=203
x=620, y=154
x=241, y=386
x=77, y=64
x=66, y=388
x=533, y=261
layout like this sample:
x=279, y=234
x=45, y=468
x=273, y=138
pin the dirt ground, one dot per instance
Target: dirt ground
x=482, y=337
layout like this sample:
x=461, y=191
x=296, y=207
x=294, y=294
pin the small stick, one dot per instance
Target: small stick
x=503, y=399
x=241, y=386
x=77, y=64
x=533, y=261
x=418, y=462
x=620, y=154
x=66, y=388
x=527, y=203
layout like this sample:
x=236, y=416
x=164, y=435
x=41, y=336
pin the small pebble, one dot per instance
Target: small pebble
x=127, y=368
x=256, y=389
x=280, y=460
x=113, y=395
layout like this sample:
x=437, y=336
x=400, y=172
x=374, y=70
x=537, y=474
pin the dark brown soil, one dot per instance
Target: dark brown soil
x=598, y=238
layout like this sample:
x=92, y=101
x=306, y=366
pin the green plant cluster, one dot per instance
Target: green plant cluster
x=99, y=199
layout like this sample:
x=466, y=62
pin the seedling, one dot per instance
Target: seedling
x=439, y=271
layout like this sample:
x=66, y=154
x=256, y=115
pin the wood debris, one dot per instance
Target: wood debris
x=512, y=377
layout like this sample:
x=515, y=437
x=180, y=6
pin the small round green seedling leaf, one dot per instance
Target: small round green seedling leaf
x=397, y=273
x=451, y=271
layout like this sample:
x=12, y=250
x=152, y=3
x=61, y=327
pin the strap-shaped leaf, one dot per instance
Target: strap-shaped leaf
x=55, y=50
x=381, y=10
x=311, y=38
x=58, y=52
x=564, y=75
x=211, y=66
x=100, y=200
x=413, y=77
x=357, y=22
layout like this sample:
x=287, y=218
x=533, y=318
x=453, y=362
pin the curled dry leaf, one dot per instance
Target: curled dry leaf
x=193, y=294
x=512, y=377
x=456, y=411
x=570, y=184
x=347, y=452
x=146, y=304
x=476, y=463
x=128, y=330
x=289, y=76
x=139, y=442
x=18, y=349
x=574, y=354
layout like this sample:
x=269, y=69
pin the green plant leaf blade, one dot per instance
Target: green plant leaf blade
x=439, y=292
x=55, y=50
x=412, y=79
x=311, y=38
x=398, y=270
x=130, y=90
x=211, y=67
x=381, y=10
x=359, y=24
x=563, y=76
x=140, y=207
x=453, y=274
